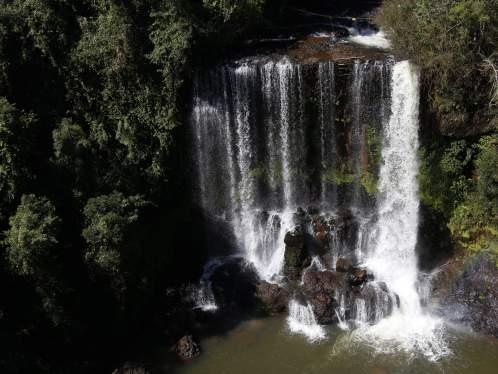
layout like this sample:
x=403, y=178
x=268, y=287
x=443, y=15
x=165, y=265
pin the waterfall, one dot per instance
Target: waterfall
x=271, y=135
x=393, y=259
x=301, y=320
x=249, y=132
x=202, y=294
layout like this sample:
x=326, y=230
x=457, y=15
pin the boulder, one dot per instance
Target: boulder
x=320, y=287
x=187, y=349
x=273, y=297
x=323, y=282
x=295, y=238
x=234, y=284
x=296, y=256
x=344, y=265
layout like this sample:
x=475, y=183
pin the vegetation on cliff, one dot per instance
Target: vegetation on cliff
x=94, y=214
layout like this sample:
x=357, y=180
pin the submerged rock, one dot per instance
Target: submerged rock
x=273, y=297
x=187, y=349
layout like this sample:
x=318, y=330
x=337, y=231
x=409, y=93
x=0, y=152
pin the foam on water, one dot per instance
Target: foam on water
x=373, y=39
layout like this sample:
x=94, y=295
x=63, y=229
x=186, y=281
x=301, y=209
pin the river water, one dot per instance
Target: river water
x=267, y=346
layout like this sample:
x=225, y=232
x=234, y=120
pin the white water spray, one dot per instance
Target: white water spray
x=393, y=260
x=302, y=320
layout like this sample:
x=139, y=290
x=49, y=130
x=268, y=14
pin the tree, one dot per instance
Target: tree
x=109, y=222
x=32, y=250
x=31, y=239
x=16, y=134
x=455, y=42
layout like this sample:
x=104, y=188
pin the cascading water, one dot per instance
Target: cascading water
x=393, y=259
x=301, y=320
x=272, y=135
x=259, y=137
x=202, y=294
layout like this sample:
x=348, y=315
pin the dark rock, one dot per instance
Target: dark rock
x=187, y=349
x=358, y=277
x=324, y=308
x=320, y=238
x=323, y=281
x=273, y=297
x=327, y=260
x=234, y=284
x=319, y=288
x=295, y=238
x=312, y=210
x=467, y=292
x=131, y=368
x=344, y=265
x=434, y=244
x=296, y=255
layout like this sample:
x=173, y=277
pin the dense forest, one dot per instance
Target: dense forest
x=96, y=216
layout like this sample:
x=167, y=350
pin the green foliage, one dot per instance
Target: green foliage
x=31, y=239
x=38, y=25
x=339, y=176
x=369, y=182
x=235, y=10
x=109, y=219
x=487, y=167
x=455, y=41
x=370, y=168
x=374, y=147
x=92, y=94
x=445, y=176
x=16, y=134
x=474, y=222
x=171, y=34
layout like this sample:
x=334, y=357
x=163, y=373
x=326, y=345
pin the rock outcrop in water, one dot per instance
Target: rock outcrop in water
x=466, y=291
x=274, y=298
x=187, y=349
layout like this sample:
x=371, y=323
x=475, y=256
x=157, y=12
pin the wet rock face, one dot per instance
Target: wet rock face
x=296, y=255
x=344, y=265
x=321, y=235
x=187, y=349
x=234, y=284
x=319, y=287
x=358, y=277
x=273, y=297
x=468, y=293
x=323, y=281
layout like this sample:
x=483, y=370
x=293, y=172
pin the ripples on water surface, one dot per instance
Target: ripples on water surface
x=267, y=346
